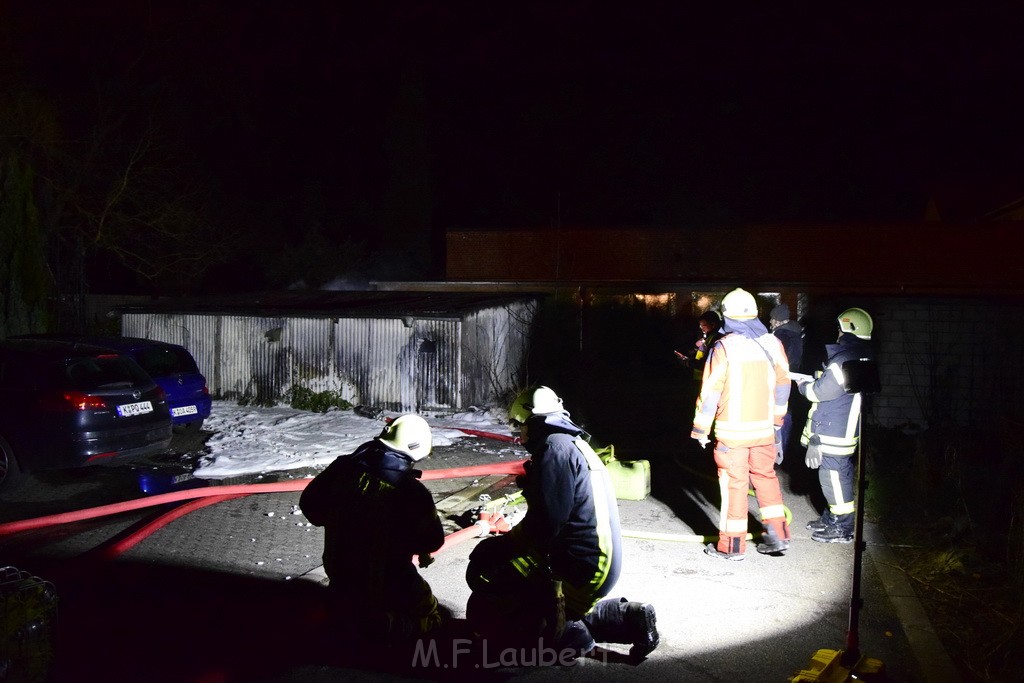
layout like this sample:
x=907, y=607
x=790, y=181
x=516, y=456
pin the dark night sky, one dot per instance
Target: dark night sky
x=404, y=117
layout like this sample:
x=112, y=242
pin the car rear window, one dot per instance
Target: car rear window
x=163, y=361
x=103, y=372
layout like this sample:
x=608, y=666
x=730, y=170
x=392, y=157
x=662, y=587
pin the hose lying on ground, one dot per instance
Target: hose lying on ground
x=512, y=467
x=220, y=493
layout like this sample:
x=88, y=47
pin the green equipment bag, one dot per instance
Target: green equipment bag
x=631, y=479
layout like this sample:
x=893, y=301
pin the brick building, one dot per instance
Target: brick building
x=948, y=300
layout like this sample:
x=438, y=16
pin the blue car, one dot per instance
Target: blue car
x=171, y=366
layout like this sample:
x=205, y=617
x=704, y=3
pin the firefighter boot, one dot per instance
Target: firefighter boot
x=575, y=638
x=840, y=531
x=733, y=552
x=823, y=522
x=622, y=621
x=772, y=543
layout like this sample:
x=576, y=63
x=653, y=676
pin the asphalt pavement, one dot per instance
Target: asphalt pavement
x=233, y=591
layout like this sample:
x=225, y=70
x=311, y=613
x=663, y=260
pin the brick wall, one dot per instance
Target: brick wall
x=941, y=360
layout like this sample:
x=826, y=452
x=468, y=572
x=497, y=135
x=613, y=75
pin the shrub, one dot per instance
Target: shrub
x=302, y=398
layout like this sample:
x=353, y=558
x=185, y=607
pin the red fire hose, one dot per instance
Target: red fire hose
x=490, y=435
x=224, y=492
x=121, y=545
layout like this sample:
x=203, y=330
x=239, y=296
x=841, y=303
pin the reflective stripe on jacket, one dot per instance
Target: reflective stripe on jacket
x=834, y=416
x=745, y=391
x=572, y=516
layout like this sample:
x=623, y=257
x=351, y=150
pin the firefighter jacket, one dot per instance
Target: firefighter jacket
x=572, y=517
x=834, y=416
x=745, y=390
x=376, y=515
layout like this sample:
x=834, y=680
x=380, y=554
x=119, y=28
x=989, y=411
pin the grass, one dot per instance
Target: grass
x=951, y=510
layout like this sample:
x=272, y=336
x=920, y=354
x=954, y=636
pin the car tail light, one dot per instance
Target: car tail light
x=71, y=400
x=100, y=456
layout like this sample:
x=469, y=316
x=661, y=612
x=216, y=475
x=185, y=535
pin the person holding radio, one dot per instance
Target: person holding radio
x=710, y=325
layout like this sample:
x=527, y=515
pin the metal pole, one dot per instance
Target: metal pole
x=851, y=655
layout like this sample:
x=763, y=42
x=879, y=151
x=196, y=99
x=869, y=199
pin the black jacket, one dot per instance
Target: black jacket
x=792, y=337
x=375, y=512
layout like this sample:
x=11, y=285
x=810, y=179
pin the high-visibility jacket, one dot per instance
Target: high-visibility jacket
x=745, y=390
x=834, y=416
x=572, y=516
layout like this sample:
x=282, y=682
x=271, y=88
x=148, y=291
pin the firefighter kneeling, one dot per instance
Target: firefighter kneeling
x=541, y=584
x=376, y=516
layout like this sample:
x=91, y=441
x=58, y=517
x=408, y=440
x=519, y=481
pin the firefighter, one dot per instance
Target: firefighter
x=744, y=395
x=377, y=516
x=546, y=577
x=832, y=430
x=791, y=334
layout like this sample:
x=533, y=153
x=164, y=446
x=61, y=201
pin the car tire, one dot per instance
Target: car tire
x=189, y=427
x=10, y=472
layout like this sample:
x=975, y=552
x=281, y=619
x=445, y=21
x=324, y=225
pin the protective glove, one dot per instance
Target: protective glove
x=424, y=560
x=813, y=457
x=703, y=441
x=522, y=478
x=778, y=447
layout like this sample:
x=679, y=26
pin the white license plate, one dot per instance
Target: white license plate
x=140, y=408
x=184, y=410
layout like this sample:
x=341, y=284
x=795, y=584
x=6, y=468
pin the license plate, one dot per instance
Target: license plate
x=140, y=408
x=184, y=410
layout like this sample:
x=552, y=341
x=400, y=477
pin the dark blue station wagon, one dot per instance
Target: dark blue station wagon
x=171, y=366
x=65, y=404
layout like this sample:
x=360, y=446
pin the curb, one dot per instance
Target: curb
x=935, y=663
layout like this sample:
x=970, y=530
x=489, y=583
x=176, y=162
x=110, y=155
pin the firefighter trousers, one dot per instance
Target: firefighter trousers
x=514, y=600
x=386, y=603
x=837, y=477
x=739, y=469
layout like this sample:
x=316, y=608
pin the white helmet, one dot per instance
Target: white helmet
x=857, y=322
x=534, y=401
x=409, y=434
x=739, y=304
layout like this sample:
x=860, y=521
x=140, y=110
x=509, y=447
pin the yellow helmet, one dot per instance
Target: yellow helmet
x=857, y=322
x=739, y=304
x=538, y=400
x=409, y=434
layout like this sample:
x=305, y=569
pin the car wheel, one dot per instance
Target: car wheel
x=10, y=473
x=189, y=427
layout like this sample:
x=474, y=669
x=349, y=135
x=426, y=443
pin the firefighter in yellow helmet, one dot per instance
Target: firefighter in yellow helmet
x=568, y=542
x=833, y=427
x=377, y=516
x=745, y=393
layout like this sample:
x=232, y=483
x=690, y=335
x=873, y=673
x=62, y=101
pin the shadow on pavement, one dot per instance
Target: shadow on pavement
x=126, y=621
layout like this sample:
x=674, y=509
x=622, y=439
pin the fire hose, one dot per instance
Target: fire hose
x=489, y=522
x=514, y=467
